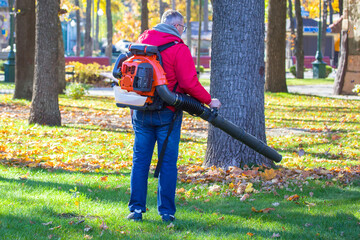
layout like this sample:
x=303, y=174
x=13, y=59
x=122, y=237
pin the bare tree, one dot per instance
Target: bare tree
x=292, y=28
x=78, y=32
x=343, y=62
x=275, y=77
x=96, y=47
x=299, y=49
x=188, y=23
x=206, y=15
x=241, y=88
x=45, y=107
x=109, y=46
x=161, y=8
x=61, y=61
x=88, y=40
x=144, y=16
x=25, y=49
x=324, y=26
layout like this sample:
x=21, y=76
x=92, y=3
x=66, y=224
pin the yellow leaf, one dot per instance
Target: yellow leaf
x=104, y=179
x=231, y=185
x=268, y=174
x=77, y=203
x=249, y=188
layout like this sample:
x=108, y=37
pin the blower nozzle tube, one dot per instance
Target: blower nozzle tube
x=194, y=107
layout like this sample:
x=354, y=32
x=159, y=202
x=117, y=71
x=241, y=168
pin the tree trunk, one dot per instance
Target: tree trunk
x=78, y=33
x=144, y=16
x=340, y=74
x=324, y=26
x=237, y=80
x=108, y=50
x=25, y=49
x=331, y=13
x=96, y=47
x=188, y=23
x=275, y=76
x=173, y=4
x=292, y=29
x=45, y=107
x=61, y=61
x=161, y=8
x=341, y=7
x=206, y=15
x=88, y=40
x=299, y=48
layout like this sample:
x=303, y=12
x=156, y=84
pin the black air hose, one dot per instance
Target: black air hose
x=194, y=107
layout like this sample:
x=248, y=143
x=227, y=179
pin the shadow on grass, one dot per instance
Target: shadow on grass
x=290, y=220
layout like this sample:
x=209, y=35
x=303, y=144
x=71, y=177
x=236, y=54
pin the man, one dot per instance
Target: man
x=153, y=126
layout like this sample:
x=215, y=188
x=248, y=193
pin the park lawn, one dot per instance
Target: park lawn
x=42, y=169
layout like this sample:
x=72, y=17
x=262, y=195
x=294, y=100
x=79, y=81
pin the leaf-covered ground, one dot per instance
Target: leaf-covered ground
x=313, y=193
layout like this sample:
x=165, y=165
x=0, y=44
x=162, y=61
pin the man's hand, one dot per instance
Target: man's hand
x=215, y=103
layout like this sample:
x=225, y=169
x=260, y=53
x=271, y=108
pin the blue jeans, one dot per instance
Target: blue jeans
x=151, y=127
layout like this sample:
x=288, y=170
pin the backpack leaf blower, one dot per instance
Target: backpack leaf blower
x=142, y=85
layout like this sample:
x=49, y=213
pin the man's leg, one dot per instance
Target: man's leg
x=168, y=172
x=143, y=149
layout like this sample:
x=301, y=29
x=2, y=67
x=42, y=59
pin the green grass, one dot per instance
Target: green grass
x=309, y=81
x=46, y=197
x=7, y=85
x=40, y=166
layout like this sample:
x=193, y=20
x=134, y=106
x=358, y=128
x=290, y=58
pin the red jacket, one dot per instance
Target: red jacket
x=178, y=64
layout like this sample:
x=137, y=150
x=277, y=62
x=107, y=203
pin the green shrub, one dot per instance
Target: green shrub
x=76, y=90
x=2, y=68
x=328, y=70
x=357, y=89
x=89, y=73
x=292, y=70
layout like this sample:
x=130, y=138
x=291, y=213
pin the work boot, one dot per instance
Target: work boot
x=167, y=218
x=136, y=215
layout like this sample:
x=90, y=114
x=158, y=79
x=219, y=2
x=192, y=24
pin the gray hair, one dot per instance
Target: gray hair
x=172, y=17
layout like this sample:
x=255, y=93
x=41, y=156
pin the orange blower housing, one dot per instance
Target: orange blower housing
x=142, y=72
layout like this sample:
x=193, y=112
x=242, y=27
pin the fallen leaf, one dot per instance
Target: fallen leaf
x=48, y=223
x=265, y=210
x=244, y=197
x=268, y=174
x=335, y=137
x=104, y=179
x=214, y=188
x=275, y=204
x=221, y=218
x=249, y=188
x=88, y=237
x=250, y=234
x=24, y=177
x=81, y=221
x=103, y=226
x=293, y=197
x=308, y=224
x=301, y=152
x=87, y=228
x=171, y=225
x=275, y=235
x=55, y=228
